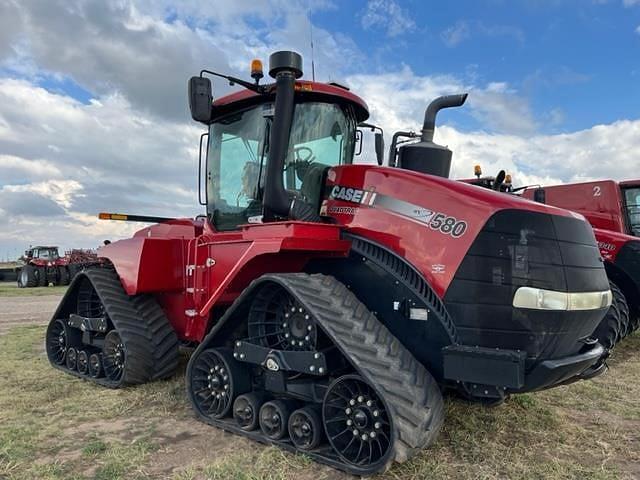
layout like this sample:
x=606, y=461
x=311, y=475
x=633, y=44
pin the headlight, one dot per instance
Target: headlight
x=539, y=299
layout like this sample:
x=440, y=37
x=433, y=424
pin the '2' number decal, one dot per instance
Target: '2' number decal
x=597, y=191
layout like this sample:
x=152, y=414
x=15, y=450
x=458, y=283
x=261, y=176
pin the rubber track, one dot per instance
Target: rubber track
x=625, y=320
x=410, y=392
x=144, y=335
x=411, y=395
x=613, y=326
x=163, y=336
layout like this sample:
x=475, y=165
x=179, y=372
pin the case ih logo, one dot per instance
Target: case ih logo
x=365, y=197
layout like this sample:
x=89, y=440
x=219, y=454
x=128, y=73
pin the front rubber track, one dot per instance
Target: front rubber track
x=411, y=395
x=150, y=343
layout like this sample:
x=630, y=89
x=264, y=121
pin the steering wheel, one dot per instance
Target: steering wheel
x=304, y=157
x=309, y=157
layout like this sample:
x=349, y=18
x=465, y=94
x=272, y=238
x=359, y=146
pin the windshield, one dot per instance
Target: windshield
x=632, y=205
x=322, y=135
x=48, y=254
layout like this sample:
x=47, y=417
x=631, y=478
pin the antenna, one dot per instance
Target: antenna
x=313, y=67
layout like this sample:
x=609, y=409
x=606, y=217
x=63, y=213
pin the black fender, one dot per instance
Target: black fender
x=399, y=295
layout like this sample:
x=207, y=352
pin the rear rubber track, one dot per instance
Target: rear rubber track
x=411, y=394
x=151, y=345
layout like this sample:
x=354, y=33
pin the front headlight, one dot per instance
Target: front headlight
x=540, y=299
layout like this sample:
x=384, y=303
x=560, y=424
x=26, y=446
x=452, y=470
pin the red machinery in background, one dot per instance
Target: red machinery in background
x=43, y=265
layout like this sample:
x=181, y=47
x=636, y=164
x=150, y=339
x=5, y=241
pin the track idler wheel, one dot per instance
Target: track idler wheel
x=274, y=418
x=305, y=428
x=95, y=365
x=246, y=409
x=356, y=422
x=82, y=364
x=216, y=380
x=60, y=337
x=72, y=358
x=114, y=356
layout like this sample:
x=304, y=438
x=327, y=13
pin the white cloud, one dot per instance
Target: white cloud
x=630, y=3
x=496, y=105
x=389, y=16
x=455, y=34
x=464, y=29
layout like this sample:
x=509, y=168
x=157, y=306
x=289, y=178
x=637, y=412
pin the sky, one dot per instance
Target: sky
x=94, y=116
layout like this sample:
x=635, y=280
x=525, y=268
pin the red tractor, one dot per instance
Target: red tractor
x=44, y=265
x=332, y=302
x=613, y=209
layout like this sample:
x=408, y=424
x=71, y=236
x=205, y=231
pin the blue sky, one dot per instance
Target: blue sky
x=94, y=117
x=576, y=57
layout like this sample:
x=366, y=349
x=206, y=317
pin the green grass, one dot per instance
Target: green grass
x=53, y=426
x=10, y=289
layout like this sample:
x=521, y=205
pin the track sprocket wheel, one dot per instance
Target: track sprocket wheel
x=277, y=320
x=114, y=356
x=305, y=428
x=216, y=380
x=357, y=422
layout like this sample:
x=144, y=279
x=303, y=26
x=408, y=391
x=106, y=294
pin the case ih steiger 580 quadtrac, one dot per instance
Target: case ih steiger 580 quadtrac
x=613, y=209
x=332, y=302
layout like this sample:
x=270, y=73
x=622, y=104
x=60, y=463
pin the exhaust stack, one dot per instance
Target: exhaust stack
x=425, y=156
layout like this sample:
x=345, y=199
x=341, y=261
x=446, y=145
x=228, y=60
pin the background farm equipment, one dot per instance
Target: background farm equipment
x=332, y=302
x=42, y=265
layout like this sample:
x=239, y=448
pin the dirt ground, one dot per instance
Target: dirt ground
x=20, y=311
x=53, y=426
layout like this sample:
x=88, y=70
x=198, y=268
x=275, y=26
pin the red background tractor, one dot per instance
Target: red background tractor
x=44, y=265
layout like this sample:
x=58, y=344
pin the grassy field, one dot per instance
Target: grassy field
x=10, y=289
x=53, y=426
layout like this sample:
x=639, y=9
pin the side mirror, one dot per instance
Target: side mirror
x=539, y=195
x=200, y=99
x=379, y=141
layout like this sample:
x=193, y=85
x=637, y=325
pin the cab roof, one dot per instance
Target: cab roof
x=325, y=92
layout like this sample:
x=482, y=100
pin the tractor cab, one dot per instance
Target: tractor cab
x=269, y=147
x=48, y=254
x=631, y=206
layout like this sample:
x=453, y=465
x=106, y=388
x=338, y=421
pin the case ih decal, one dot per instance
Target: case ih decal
x=438, y=221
